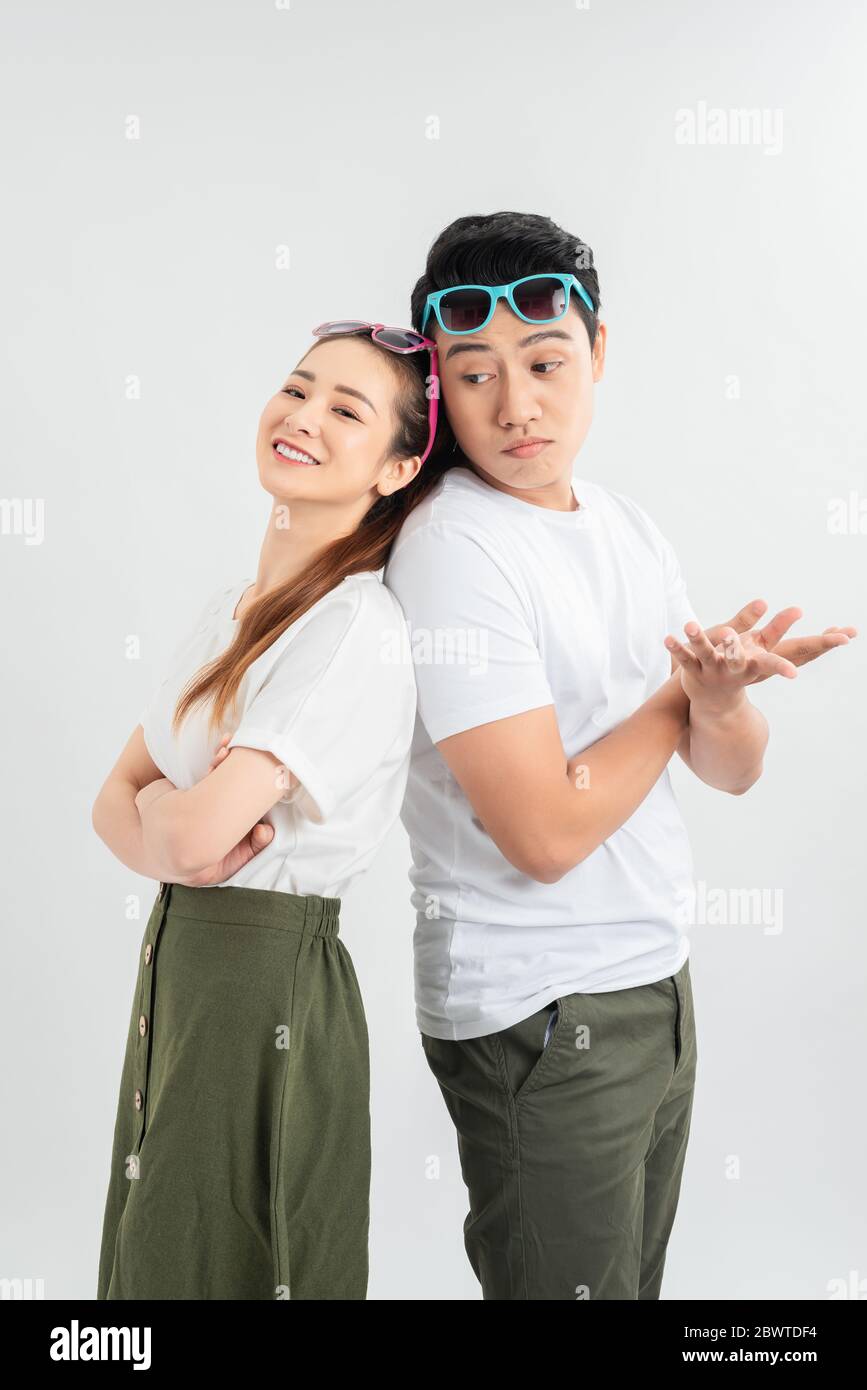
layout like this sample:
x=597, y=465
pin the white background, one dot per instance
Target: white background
x=309, y=128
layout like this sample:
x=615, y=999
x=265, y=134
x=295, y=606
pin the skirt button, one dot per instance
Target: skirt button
x=142, y=1025
x=149, y=950
x=139, y=1100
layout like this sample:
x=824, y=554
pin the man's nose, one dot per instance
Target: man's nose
x=517, y=406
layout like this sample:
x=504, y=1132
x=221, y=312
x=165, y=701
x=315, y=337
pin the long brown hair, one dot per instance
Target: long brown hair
x=367, y=548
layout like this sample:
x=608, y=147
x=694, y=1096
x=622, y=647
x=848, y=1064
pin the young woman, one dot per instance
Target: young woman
x=268, y=767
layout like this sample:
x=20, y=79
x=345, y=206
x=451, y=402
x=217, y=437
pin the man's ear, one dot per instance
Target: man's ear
x=598, y=353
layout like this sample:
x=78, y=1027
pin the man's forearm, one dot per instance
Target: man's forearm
x=727, y=744
x=614, y=775
x=118, y=824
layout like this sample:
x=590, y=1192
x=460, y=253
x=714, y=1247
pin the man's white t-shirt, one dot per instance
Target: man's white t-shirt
x=511, y=606
x=334, y=699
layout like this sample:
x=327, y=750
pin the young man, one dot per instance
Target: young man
x=551, y=868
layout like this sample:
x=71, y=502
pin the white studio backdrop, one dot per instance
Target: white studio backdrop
x=189, y=189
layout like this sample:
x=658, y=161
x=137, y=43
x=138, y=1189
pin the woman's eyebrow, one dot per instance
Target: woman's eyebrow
x=347, y=390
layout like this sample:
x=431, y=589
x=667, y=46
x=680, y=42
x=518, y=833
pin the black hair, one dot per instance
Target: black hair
x=495, y=248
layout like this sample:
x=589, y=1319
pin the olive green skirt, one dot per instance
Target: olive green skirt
x=241, y=1158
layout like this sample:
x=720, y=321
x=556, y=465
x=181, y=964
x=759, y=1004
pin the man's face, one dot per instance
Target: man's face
x=514, y=382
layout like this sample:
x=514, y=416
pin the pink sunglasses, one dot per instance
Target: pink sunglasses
x=396, y=340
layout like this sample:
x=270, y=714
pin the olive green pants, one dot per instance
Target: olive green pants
x=572, y=1150
x=241, y=1157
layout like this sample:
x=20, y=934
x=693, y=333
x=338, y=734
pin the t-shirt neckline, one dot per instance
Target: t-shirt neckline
x=237, y=592
x=235, y=596
x=581, y=516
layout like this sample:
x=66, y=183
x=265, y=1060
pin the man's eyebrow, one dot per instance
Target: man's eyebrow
x=482, y=346
x=347, y=390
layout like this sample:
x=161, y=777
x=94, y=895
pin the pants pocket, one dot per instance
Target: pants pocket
x=685, y=1041
x=523, y=1051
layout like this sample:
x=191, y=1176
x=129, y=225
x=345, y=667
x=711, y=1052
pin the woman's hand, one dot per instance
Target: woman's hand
x=252, y=844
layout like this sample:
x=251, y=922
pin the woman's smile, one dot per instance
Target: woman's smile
x=291, y=454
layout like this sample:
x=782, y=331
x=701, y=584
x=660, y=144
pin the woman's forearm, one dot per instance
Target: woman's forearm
x=162, y=828
x=118, y=824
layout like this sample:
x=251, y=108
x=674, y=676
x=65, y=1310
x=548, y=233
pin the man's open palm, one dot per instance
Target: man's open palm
x=793, y=651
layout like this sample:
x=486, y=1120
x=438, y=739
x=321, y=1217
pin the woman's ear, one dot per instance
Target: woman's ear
x=598, y=353
x=397, y=474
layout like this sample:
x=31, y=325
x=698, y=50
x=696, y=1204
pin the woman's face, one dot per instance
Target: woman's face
x=337, y=408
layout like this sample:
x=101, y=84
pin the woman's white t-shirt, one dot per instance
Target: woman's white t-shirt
x=512, y=606
x=334, y=699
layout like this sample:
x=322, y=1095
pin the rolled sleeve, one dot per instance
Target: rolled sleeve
x=336, y=709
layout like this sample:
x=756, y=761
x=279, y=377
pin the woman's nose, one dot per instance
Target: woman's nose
x=302, y=420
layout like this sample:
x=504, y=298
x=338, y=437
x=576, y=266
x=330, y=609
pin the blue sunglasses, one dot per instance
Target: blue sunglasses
x=535, y=299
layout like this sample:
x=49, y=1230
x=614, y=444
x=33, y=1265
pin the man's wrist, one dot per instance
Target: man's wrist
x=706, y=708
